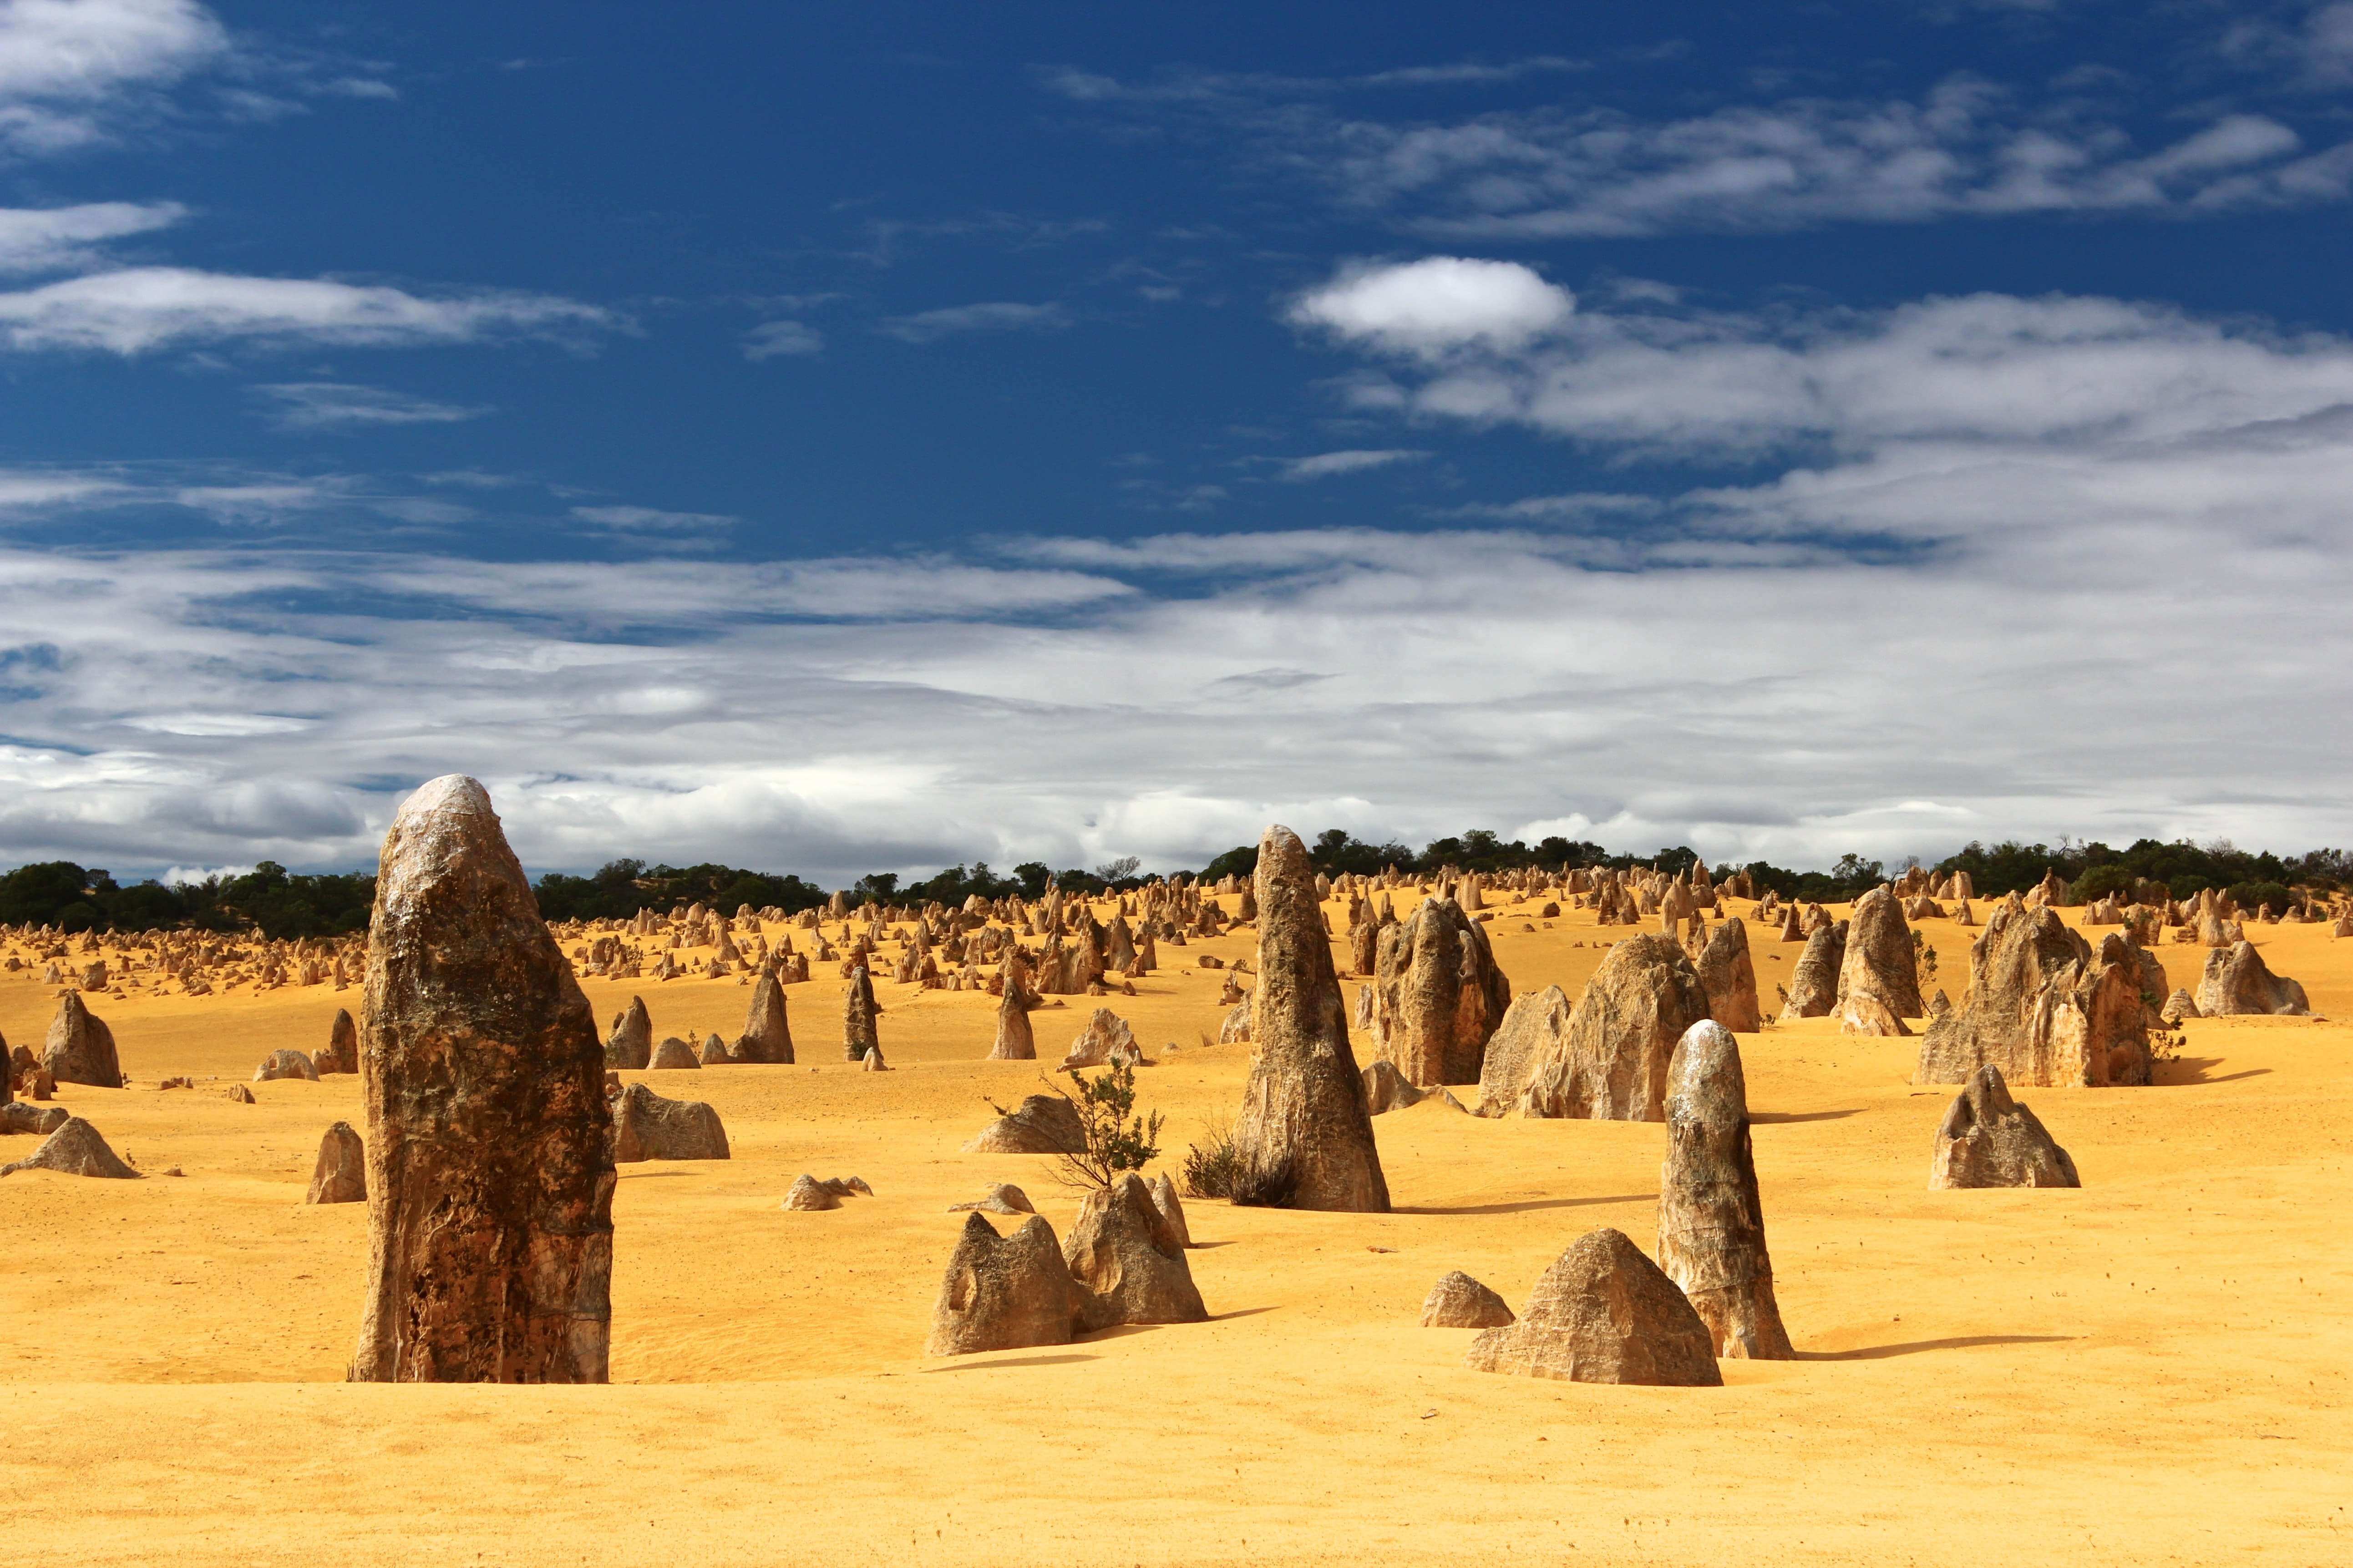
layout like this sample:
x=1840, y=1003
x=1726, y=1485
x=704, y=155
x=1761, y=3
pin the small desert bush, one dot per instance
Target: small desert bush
x=1116, y=1138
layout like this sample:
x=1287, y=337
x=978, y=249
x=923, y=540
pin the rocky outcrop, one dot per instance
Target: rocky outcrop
x=1603, y=1313
x=767, y=1036
x=1729, y=977
x=75, y=1149
x=1437, y=995
x=343, y=1050
x=1129, y=1261
x=630, y=1045
x=1041, y=1124
x=1710, y=1220
x=1172, y=1208
x=21, y=1116
x=1016, y=1041
x=1105, y=1041
x=80, y=1047
x=1534, y=1028
x=807, y=1195
x=1814, y=983
x=674, y=1053
x=1003, y=1292
x=648, y=1127
x=1303, y=1138
x=340, y=1176
x=1989, y=1140
x=860, y=1030
x=1004, y=1197
x=1386, y=1089
x=2044, y=1007
x=2238, y=981
x=1879, y=982
x=1610, y=1063
x=2179, y=1006
x=489, y=1166
x=1459, y=1301
x=285, y=1064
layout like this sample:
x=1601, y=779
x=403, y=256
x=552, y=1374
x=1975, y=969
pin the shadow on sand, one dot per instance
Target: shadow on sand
x=1964, y=1342
x=1011, y=1361
x=1776, y=1118
x=2201, y=1070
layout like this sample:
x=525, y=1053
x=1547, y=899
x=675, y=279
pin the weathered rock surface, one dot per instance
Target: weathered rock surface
x=1016, y=1041
x=343, y=1050
x=1711, y=1221
x=1002, y=1198
x=285, y=1064
x=490, y=1167
x=860, y=1030
x=1603, y=1313
x=1610, y=1063
x=80, y=1047
x=1003, y=1292
x=2044, y=1007
x=1129, y=1259
x=1729, y=977
x=2238, y=981
x=1106, y=1039
x=1303, y=1138
x=674, y=1053
x=1437, y=995
x=1459, y=1301
x=648, y=1127
x=1879, y=967
x=1041, y=1124
x=1535, y=1027
x=630, y=1045
x=20, y=1116
x=1814, y=983
x=810, y=1194
x=76, y=1149
x=1989, y=1140
x=340, y=1176
x=767, y=1036
x=2179, y=1006
x=1171, y=1207
x=1386, y=1089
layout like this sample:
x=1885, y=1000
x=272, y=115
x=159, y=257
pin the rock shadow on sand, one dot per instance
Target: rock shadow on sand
x=1917, y=1347
x=1530, y=1205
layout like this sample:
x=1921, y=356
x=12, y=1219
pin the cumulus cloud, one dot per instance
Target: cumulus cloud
x=996, y=316
x=1437, y=304
x=59, y=240
x=1324, y=465
x=331, y=405
x=139, y=310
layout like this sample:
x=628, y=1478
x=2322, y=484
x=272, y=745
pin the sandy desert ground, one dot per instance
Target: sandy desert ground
x=2152, y=1370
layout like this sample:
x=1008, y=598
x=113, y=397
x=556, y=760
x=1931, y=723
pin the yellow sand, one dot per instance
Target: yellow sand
x=2150, y=1370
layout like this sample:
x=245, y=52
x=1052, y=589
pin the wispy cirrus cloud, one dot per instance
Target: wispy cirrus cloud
x=332, y=405
x=992, y=316
x=142, y=310
x=68, y=67
x=60, y=239
x=1327, y=465
x=779, y=340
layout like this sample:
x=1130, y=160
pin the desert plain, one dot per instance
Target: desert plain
x=2150, y=1369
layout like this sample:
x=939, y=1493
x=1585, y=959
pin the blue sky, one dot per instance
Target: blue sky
x=840, y=438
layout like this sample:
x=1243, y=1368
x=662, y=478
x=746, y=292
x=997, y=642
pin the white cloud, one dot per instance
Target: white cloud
x=771, y=340
x=1436, y=305
x=1324, y=465
x=139, y=310
x=58, y=240
x=65, y=63
x=996, y=316
x=643, y=518
x=329, y=404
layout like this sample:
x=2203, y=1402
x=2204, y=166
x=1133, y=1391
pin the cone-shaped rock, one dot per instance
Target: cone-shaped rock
x=2044, y=1007
x=674, y=1053
x=342, y=1052
x=631, y=1044
x=80, y=1047
x=1730, y=978
x=1711, y=1223
x=648, y=1127
x=1612, y=1063
x=1003, y=1292
x=1303, y=1138
x=810, y=1194
x=1459, y=1301
x=1989, y=1140
x=286, y=1064
x=1164, y=1199
x=1386, y=1089
x=766, y=1037
x=1880, y=962
x=75, y=1149
x=1814, y=983
x=341, y=1174
x=1129, y=1259
x=2236, y=980
x=1603, y=1313
x=1438, y=995
x=490, y=1168
x=1536, y=1029
x=1016, y=1041
x=859, y=1033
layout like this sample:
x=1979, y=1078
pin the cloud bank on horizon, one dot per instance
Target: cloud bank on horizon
x=1740, y=444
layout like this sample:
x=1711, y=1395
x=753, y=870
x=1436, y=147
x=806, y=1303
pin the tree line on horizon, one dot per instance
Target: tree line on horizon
x=282, y=905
